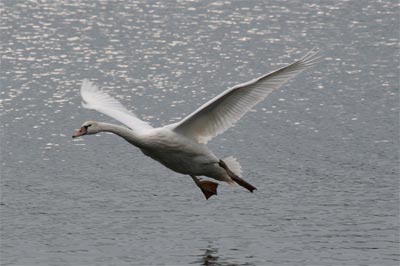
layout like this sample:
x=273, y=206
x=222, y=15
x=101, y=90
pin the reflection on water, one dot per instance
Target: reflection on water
x=212, y=258
x=209, y=258
x=322, y=151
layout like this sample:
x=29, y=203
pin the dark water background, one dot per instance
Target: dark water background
x=322, y=151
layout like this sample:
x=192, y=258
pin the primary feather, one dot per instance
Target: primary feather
x=96, y=99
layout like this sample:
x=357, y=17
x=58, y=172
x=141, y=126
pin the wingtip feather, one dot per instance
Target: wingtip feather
x=312, y=57
x=88, y=86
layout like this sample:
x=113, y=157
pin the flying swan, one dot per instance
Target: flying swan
x=181, y=146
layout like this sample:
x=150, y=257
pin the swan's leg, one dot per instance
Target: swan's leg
x=208, y=188
x=235, y=178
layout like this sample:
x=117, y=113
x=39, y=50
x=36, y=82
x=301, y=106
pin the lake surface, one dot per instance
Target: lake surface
x=322, y=151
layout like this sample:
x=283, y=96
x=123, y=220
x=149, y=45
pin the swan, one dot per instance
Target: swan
x=181, y=146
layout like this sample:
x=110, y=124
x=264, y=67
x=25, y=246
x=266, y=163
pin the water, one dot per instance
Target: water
x=322, y=151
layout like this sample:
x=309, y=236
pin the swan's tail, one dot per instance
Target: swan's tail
x=233, y=168
x=233, y=165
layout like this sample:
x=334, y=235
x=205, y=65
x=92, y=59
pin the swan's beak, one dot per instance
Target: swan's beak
x=80, y=132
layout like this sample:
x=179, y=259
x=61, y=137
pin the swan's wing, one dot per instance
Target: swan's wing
x=96, y=99
x=221, y=112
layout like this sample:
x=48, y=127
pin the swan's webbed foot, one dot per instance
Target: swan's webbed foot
x=209, y=188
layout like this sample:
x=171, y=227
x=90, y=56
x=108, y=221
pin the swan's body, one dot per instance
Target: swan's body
x=175, y=151
x=181, y=146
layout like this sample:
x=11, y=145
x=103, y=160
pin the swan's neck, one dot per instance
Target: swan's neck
x=128, y=134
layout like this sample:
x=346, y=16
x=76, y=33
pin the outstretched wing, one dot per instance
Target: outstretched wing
x=96, y=99
x=221, y=112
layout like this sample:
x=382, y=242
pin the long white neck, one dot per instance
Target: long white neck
x=128, y=134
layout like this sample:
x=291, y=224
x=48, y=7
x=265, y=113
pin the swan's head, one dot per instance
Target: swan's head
x=88, y=128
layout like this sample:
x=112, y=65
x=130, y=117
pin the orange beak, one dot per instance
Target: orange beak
x=80, y=132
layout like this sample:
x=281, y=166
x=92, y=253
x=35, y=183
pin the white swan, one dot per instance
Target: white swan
x=181, y=146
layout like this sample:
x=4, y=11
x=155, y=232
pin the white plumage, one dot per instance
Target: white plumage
x=181, y=146
x=221, y=112
x=96, y=99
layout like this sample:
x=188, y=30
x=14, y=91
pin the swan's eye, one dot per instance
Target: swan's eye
x=89, y=125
